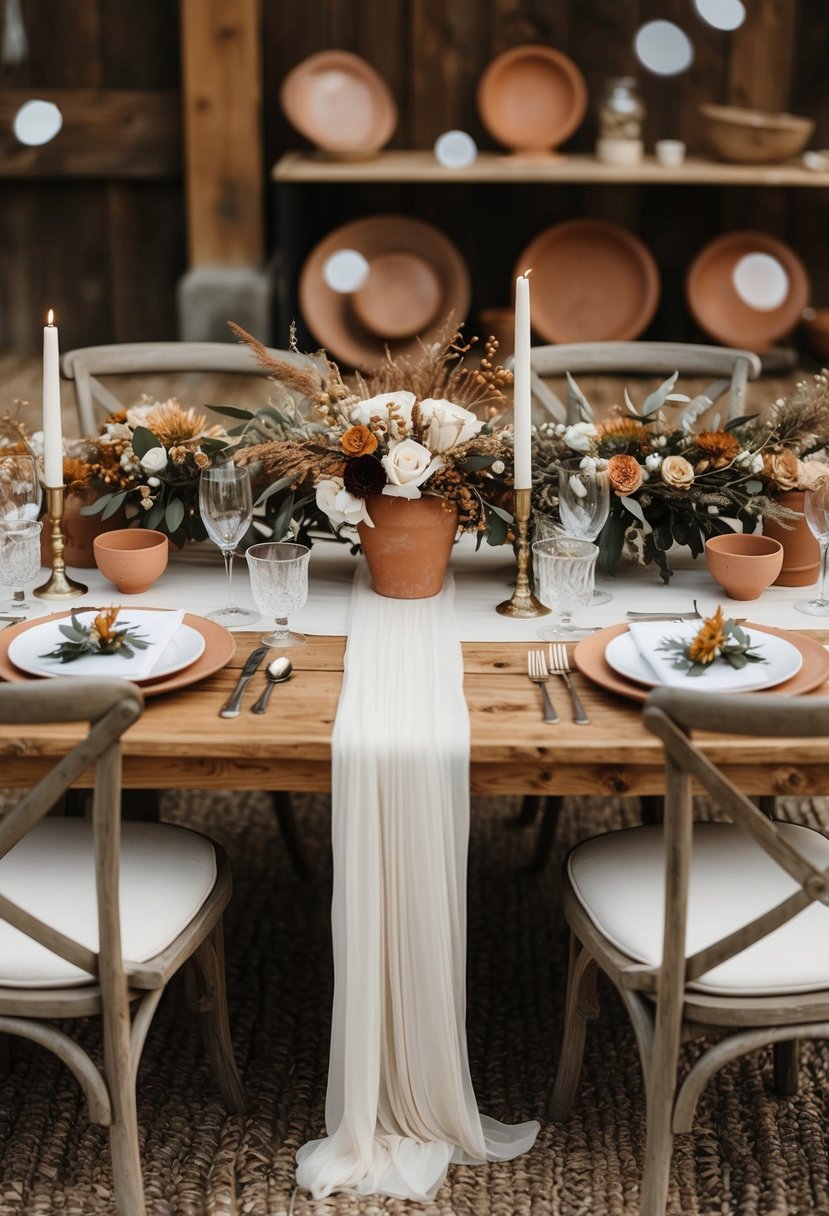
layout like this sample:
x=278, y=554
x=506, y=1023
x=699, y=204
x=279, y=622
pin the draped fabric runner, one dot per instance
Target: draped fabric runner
x=400, y=1105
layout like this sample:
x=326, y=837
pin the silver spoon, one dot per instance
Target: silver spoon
x=276, y=672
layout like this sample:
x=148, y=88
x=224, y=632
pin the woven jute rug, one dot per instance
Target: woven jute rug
x=752, y=1152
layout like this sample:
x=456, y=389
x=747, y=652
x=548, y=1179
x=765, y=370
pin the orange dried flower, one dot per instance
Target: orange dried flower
x=104, y=623
x=710, y=638
x=720, y=447
x=358, y=441
x=624, y=474
x=621, y=428
x=781, y=469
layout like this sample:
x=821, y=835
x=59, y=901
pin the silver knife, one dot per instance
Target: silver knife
x=230, y=709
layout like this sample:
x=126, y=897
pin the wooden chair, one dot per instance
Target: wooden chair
x=85, y=365
x=713, y=929
x=96, y=917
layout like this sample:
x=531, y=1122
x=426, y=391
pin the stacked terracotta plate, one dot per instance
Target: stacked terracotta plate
x=339, y=103
x=531, y=99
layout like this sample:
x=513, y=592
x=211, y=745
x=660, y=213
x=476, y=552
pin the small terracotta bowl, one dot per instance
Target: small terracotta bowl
x=132, y=558
x=744, y=564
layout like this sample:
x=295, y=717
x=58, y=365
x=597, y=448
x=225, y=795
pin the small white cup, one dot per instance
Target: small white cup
x=669, y=151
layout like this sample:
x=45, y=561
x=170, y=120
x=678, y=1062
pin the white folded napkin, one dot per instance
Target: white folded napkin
x=157, y=627
x=650, y=635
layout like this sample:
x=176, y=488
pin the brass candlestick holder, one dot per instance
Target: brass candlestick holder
x=522, y=602
x=59, y=586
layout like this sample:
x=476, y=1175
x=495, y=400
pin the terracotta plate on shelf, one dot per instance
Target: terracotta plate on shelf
x=416, y=279
x=717, y=306
x=592, y=281
x=589, y=657
x=532, y=98
x=340, y=103
x=219, y=648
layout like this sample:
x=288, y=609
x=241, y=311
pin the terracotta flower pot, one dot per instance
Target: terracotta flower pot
x=408, y=548
x=79, y=531
x=801, y=552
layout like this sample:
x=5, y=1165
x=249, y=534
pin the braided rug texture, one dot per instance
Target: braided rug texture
x=751, y=1153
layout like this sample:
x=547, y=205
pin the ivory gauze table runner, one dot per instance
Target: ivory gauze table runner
x=400, y=1105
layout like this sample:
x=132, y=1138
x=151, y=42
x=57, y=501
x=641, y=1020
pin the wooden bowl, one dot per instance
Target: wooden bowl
x=717, y=307
x=340, y=103
x=132, y=558
x=532, y=98
x=753, y=136
x=743, y=564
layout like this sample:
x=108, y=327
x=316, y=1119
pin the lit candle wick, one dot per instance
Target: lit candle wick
x=50, y=318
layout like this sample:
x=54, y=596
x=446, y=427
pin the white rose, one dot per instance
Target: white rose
x=154, y=460
x=579, y=436
x=449, y=424
x=339, y=505
x=378, y=407
x=408, y=464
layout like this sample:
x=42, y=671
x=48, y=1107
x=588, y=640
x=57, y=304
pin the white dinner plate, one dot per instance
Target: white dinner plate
x=25, y=651
x=782, y=660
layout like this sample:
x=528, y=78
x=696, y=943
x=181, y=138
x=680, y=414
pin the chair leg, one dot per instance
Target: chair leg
x=545, y=839
x=207, y=994
x=786, y=1067
x=123, y=1131
x=580, y=1006
x=530, y=806
x=291, y=835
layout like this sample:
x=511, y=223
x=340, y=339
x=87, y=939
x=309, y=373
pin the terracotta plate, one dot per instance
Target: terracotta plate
x=220, y=646
x=717, y=307
x=592, y=281
x=420, y=279
x=340, y=103
x=589, y=658
x=532, y=98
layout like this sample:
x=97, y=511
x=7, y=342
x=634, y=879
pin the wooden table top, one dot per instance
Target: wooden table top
x=182, y=742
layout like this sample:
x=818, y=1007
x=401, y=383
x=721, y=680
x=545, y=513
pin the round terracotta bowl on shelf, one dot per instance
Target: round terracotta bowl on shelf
x=743, y=564
x=591, y=281
x=131, y=558
x=340, y=103
x=723, y=311
x=754, y=136
x=417, y=284
x=531, y=99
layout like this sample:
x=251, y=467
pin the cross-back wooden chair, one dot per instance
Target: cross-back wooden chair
x=707, y=929
x=87, y=364
x=97, y=916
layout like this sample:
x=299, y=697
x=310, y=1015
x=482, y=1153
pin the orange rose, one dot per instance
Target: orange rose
x=624, y=474
x=780, y=468
x=358, y=441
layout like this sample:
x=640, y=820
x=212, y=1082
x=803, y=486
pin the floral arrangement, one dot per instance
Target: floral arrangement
x=673, y=485
x=411, y=428
x=715, y=639
x=102, y=636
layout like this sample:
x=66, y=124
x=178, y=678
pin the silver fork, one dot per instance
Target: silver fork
x=560, y=666
x=538, y=673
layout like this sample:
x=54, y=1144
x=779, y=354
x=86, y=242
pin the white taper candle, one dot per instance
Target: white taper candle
x=522, y=399
x=52, y=424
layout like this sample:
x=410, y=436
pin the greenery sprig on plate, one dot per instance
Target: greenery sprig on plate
x=716, y=639
x=102, y=636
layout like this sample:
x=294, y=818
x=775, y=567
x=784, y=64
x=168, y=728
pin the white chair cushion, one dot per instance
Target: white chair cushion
x=619, y=880
x=166, y=875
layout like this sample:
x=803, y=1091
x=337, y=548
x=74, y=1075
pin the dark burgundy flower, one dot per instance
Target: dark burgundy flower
x=363, y=476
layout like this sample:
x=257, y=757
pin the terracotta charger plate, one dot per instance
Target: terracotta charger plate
x=340, y=103
x=416, y=279
x=220, y=646
x=592, y=281
x=716, y=305
x=531, y=99
x=589, y=658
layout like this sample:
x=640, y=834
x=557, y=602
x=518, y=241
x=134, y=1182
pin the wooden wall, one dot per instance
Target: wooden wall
x=96, y=230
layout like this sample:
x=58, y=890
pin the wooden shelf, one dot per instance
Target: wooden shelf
x=421, y=166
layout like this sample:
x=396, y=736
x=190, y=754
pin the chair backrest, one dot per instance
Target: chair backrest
x=672, y=714
x=110, y=706
x=731, y=367
x=86, y=364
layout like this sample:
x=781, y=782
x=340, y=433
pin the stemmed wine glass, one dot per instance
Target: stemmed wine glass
x=279, y=582
x=816, y=509
x=226, y=508
x=19, y=557
x=20, y=496
x=584, y=505
x=563, y=569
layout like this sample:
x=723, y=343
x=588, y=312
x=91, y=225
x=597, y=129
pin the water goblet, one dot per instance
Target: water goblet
x=816, y=510
x=20, y=491
x=226, y=508
x=19, y=557
x=564, y=569
x=279, y=582
x=584, y=504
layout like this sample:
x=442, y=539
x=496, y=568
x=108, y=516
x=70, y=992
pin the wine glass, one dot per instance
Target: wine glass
x=564, y=569
x=19, y=557
x=584, y=505
x=20, y=496
x=226, y=508
x=279, y=581
x=816, y=510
